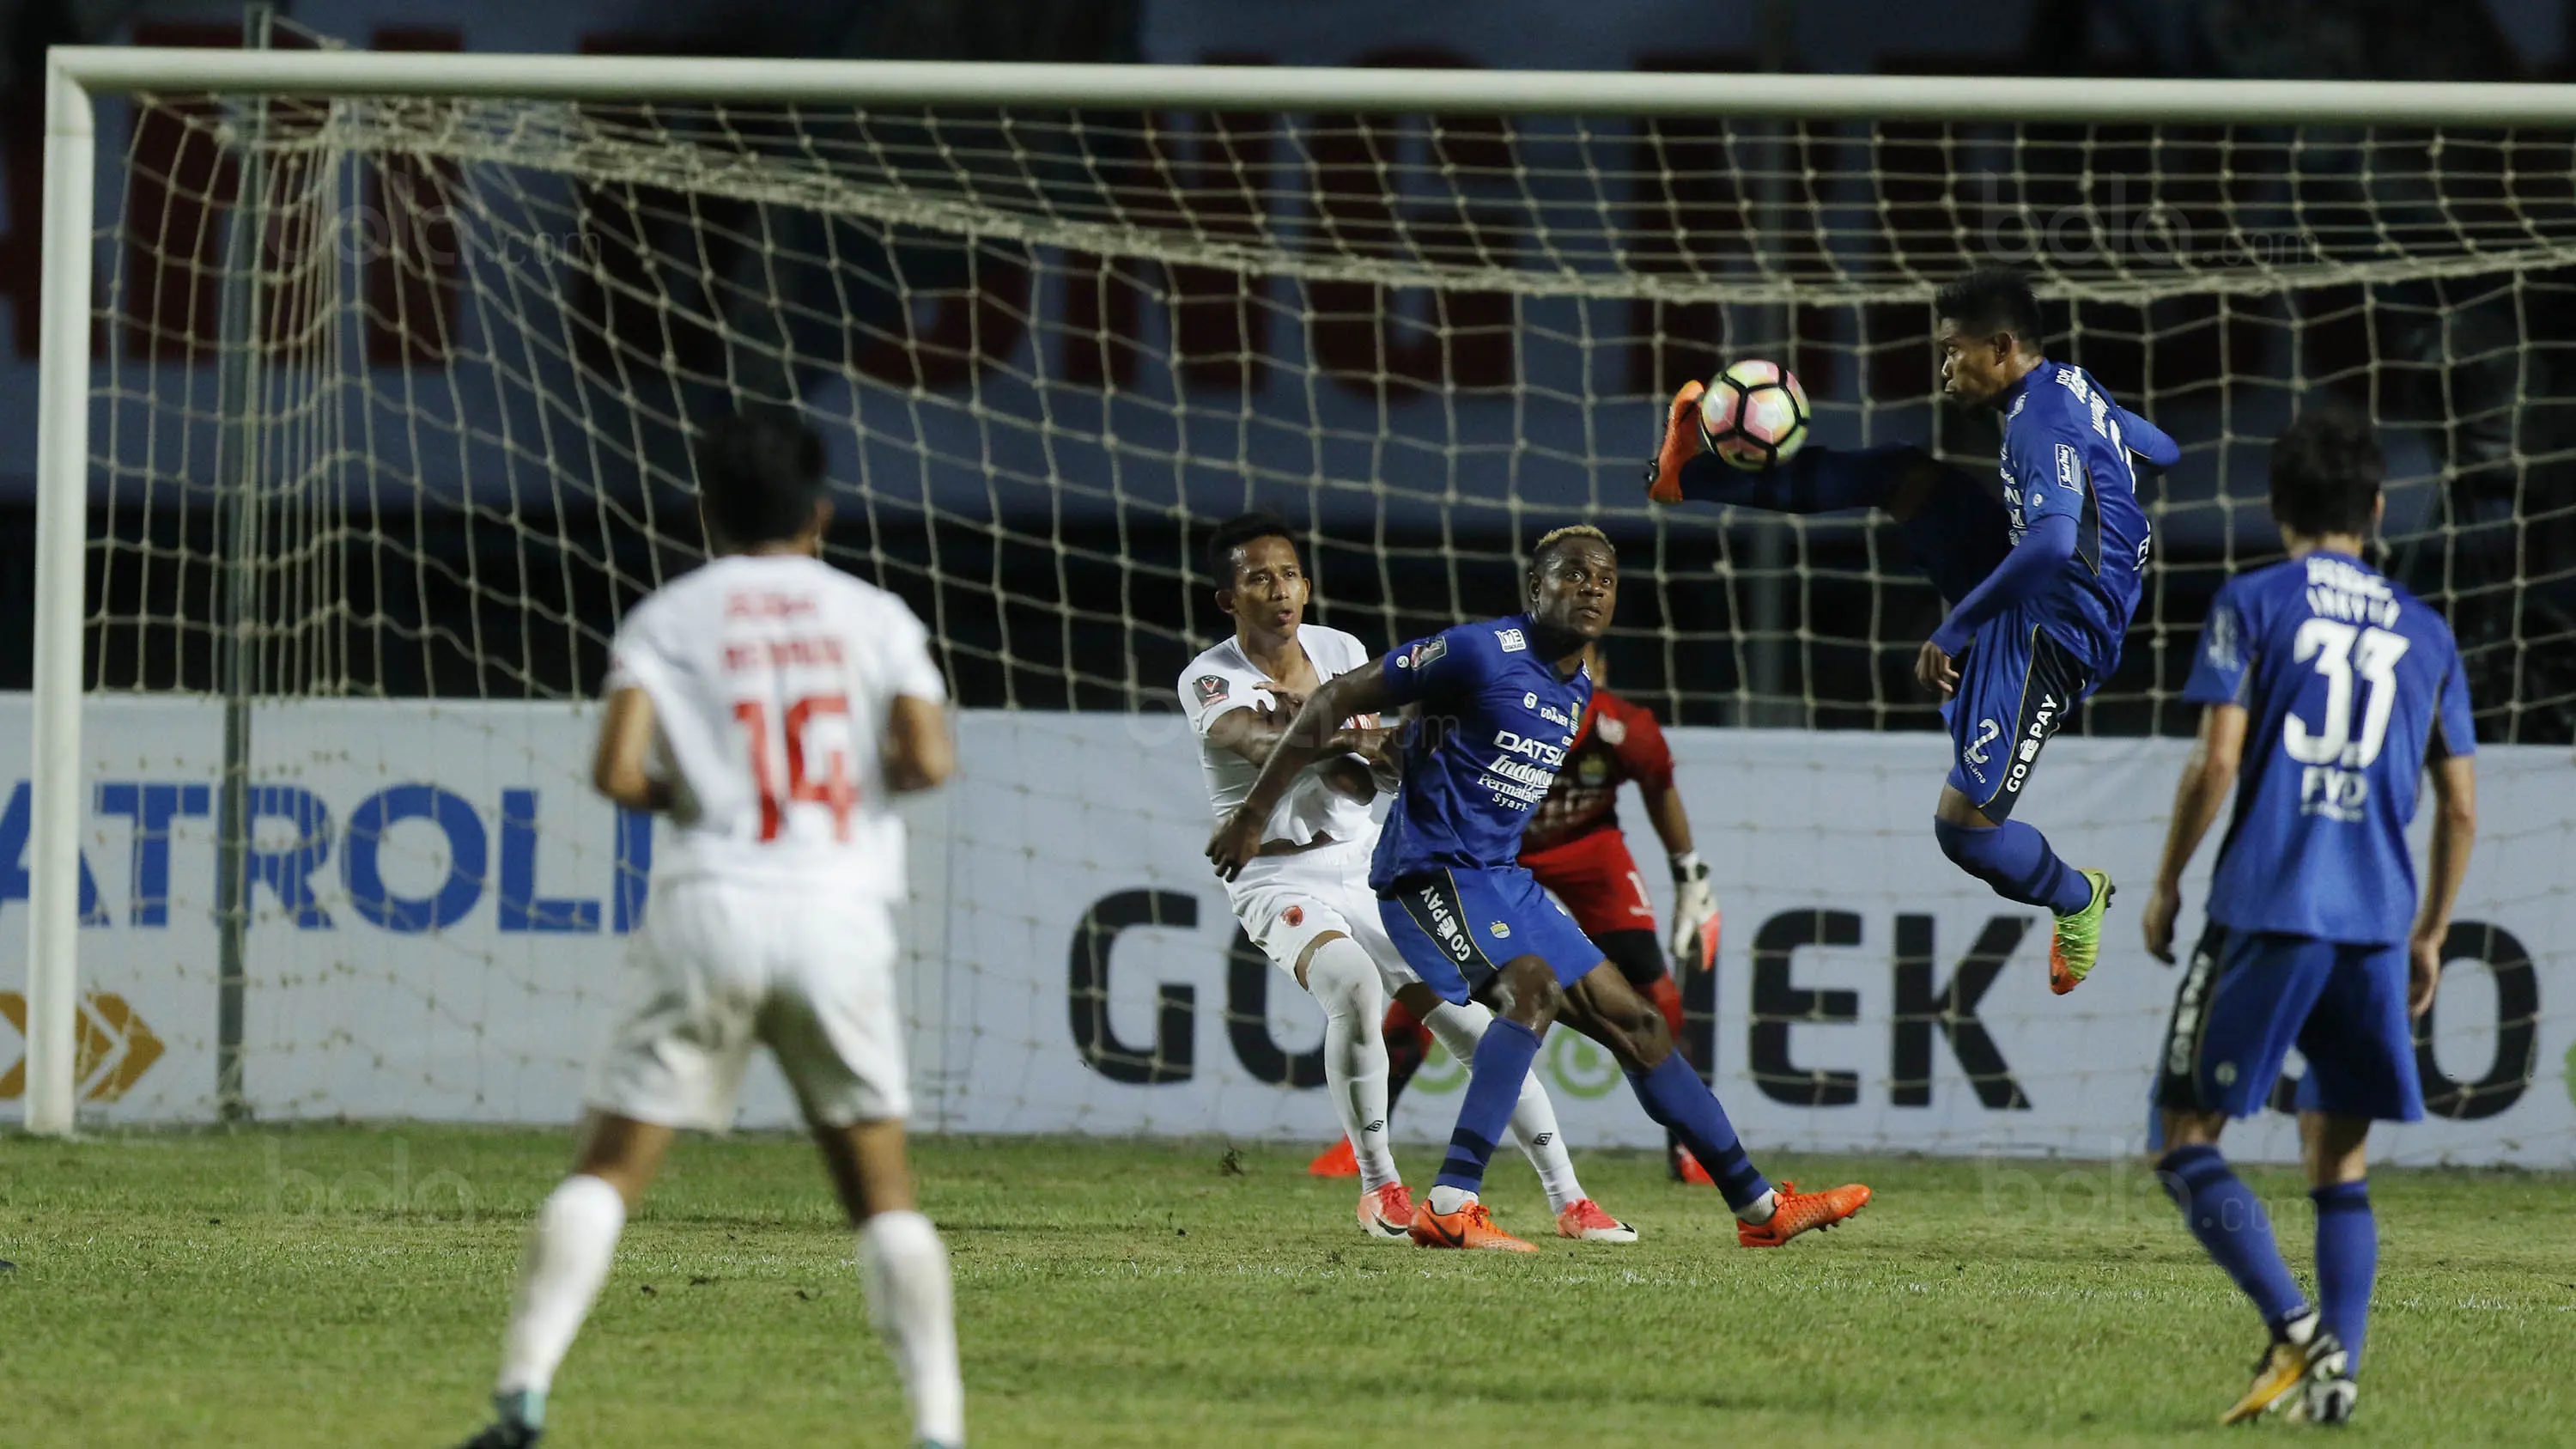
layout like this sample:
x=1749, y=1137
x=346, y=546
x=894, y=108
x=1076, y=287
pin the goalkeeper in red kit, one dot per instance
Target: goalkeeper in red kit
x=1575, y=849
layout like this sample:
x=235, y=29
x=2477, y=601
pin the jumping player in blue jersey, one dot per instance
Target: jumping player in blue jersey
x=2332, y=692
x=1494, y=706
x=2041, y=584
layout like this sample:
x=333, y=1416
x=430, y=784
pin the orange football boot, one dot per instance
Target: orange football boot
x=1792, y=1212
x=1471, y=1227
x=1388, y=1212
x=1337, y=1160
x=1585, y=1222
x=1680, y=444
x=1687, y=1171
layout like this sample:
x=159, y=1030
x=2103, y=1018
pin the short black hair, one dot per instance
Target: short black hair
x=2326, y=467
x=760, y=474
x=1990, y=300
x=1237, y=531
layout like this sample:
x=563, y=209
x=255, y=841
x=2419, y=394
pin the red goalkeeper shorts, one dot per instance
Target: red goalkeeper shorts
x=1597, y=879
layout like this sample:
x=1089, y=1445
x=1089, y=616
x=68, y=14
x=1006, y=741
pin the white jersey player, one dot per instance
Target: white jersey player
x=1305, y=900
x=771, y=705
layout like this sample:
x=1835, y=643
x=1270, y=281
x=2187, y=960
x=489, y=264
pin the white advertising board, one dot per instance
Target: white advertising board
x=439, y=907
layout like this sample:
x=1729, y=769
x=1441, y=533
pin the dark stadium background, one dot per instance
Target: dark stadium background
x=476, y=611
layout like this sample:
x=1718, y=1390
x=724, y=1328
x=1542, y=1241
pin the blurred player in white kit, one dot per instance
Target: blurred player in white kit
x=1305, y=900
x=771, y=705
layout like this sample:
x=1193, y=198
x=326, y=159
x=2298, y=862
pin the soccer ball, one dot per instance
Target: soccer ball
x=1754, y=415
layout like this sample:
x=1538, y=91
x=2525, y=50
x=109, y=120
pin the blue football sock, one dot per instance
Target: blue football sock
x=2015, y=859
x=1817, y=480
x=1679, y=1101
x=1494, y=1080
x=2229, y=1221
x=2347, y=1257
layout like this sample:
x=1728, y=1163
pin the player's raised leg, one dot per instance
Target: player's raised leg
x=570, y=1247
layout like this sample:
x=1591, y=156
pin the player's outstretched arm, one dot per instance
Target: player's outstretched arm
x=919, y=752
x=2455, y=828
x=1817, y=480
x=2206, y=778
x=625, y=743
x=1315, y=733
x=1253, y=733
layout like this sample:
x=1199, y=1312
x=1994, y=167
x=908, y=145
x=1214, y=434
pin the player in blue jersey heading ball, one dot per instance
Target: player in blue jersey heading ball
x=1494, y=707
x=2328, y=693
x=2041, y=582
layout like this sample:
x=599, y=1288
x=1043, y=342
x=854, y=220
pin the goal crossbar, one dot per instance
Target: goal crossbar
x=114, y=70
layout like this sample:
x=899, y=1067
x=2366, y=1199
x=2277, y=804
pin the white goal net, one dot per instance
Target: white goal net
x=389, y=421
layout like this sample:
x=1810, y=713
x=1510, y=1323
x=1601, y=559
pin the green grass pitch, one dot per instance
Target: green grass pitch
x=345, y=1286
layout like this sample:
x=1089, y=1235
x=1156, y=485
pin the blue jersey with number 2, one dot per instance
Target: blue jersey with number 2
x=2352, y=686
x=1491, y=732
x=2063, y=453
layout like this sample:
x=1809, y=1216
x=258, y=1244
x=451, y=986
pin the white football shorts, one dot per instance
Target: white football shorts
x=1286, y=901
x=722, y=965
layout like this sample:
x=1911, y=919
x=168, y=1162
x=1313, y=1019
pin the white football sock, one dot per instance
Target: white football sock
x=1759, y=1211
x=1533, y=1117
x=1446, y=1199
x=569, y=1249
x=904, y=1268
x=1344, y=981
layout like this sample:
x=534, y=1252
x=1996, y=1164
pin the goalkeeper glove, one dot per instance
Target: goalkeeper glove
x=1695, y=917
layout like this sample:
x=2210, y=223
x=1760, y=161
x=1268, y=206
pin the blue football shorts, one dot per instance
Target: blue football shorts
x=2016, y=688
x=1456, y=928
x=2249, y=996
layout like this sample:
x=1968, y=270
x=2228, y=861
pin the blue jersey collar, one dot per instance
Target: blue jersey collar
x=2012, y=394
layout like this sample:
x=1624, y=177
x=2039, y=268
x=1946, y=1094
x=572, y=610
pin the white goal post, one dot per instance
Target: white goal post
x=1778, y=268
